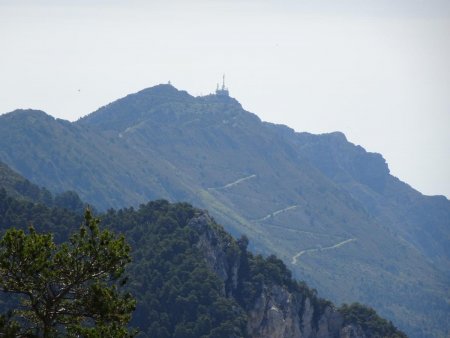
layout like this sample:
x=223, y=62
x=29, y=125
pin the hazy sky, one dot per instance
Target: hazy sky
x=377, y=70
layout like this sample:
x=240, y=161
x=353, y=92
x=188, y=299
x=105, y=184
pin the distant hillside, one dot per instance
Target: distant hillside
x=18, y=187
x=328, y=208
x=14, y=183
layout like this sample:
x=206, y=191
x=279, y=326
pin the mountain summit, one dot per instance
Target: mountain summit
x=328, y=208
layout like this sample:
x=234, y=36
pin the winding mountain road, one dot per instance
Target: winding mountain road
x=229, y=185
x=337, y=245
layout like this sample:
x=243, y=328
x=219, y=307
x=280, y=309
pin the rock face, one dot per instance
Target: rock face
x=280, y=314
x=275, y=315
x=213, y=247
x=276, y=312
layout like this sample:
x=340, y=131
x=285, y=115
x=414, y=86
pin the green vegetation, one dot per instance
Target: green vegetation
x=304, y=194
x=177, y=292
x=67, y=289
x=20, y=213
x=18, y=187
x=372, y=324
x=179, y=296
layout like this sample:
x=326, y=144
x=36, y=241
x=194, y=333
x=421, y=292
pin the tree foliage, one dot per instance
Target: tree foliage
x=372, y=324
x=179, y=296
x=67, y=289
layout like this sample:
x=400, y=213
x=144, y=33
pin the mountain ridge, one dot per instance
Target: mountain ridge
x=289, y=192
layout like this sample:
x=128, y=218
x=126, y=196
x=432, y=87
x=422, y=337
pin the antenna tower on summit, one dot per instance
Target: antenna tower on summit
x=223, y=82
x=224, y=90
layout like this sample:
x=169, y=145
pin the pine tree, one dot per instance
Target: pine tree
x=70, y=289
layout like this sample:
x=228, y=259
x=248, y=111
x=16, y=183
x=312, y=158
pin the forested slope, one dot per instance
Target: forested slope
x=192, y=279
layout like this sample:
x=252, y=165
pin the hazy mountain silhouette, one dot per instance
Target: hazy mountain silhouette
x=328, y=208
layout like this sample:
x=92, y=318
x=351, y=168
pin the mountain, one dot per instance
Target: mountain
x=192, y=279
x=18, y=187
x=328, y=208
x=423, y=221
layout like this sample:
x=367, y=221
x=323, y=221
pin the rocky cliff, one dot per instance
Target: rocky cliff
x=278, y=311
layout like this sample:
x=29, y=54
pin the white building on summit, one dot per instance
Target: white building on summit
x=224, y=90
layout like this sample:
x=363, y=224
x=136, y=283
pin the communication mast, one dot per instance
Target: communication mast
x=224, y=90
